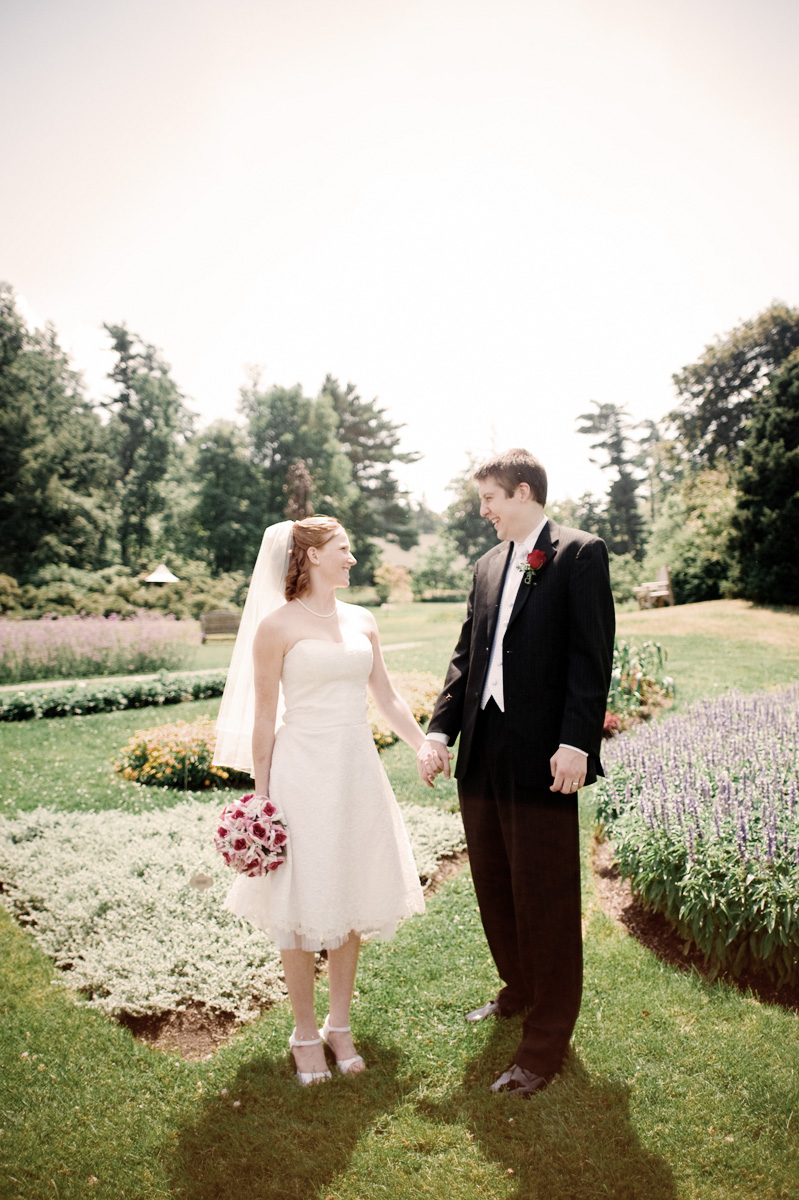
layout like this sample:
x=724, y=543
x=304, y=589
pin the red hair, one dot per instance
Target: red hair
x=312, y=531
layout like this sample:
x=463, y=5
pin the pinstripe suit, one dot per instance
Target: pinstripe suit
x=523, y=839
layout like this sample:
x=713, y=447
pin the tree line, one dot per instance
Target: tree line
x=711, y=490
x=91, y=483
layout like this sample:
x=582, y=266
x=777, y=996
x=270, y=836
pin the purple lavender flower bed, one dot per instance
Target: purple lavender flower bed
x=703, y=813
x=77, y=647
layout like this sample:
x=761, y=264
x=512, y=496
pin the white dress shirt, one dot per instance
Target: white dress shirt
x=510, y=589
x=494, y=681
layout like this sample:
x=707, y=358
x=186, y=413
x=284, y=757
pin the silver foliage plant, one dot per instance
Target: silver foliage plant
x=108, y=896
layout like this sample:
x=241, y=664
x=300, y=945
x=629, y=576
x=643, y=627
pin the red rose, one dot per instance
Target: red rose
x=259, y=830
x=536, y=559
x=240, y=844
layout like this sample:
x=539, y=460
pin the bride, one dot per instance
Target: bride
x=294, y=716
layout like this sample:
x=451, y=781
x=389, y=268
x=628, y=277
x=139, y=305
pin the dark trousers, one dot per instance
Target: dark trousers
x=525, y=858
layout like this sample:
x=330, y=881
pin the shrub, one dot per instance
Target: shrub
x=58, y=589
x=179, y=755
x=10, y=593
x=625, y=575
x=77, y=647
x=638, y=686
x=80, y=699
x=703, y=811
x=392, y=582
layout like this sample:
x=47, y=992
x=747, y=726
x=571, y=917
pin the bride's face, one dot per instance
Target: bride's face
x=333, y=561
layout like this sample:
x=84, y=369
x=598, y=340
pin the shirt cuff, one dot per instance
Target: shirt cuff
x=566, y=746
x=438, y=737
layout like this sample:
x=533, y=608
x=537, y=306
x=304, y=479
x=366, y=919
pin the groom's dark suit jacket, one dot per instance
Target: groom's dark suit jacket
x=557, y=656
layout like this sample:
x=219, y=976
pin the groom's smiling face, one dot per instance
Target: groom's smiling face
x=510, y=515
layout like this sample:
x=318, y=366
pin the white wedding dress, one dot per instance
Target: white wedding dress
x=349, y=864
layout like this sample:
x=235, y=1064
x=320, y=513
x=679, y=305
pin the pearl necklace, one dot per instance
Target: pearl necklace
x=313, y=610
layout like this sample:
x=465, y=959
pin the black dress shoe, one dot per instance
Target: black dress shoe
x=518, y=1081
x=491, y=1009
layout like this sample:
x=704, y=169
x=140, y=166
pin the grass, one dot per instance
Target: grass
x=674, y=1088
x=720, y=644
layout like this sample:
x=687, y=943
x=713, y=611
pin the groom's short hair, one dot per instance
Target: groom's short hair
x=512, y=468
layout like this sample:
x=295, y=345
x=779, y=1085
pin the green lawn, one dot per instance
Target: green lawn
x=674, y=1087
x=718, y=645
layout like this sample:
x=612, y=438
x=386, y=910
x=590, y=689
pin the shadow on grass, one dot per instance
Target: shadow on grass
x=575, y=1139
x=282, y=1140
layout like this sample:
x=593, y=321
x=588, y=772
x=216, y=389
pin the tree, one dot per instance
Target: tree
x=228, y=517
x=691, y=536
x=54, y=463
x=657, y=459
x=440, y=574
x=298, y=488
x=470, y=533
x=371, y=443
x=611, y=427
x=149, y=420
x=766, y=521
x=424, y=519
x=720, y=392
x=286, y=427
x=587, y=513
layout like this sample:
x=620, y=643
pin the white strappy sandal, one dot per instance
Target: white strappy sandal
x=307, y=1077
x=344, y=1065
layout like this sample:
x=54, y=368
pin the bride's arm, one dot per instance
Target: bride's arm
x=388, y=701
x=267, y=654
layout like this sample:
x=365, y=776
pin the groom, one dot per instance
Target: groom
x=526, y=690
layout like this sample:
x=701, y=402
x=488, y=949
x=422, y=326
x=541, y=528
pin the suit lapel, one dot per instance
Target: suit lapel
x=547, y=541
x=497, y=569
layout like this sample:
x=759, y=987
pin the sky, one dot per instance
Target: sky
x=485, y=213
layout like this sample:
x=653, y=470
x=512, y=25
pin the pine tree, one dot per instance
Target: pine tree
x=622, y=517
x=149, y=421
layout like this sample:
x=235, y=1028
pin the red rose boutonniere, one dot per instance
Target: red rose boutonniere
x=535, y=560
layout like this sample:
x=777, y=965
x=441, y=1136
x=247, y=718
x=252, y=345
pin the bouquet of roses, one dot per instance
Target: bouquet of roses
x=251, y=837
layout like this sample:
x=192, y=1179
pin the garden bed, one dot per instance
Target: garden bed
x=658, y=935
x=109, y=897
x=79, y=647
x=703, y=813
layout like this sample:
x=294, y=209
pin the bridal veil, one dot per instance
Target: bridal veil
x=267, y=593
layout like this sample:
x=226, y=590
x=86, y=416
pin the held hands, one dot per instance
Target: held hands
x=432, y=758
x=568, y=768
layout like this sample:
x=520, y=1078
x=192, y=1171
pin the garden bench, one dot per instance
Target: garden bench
x=219, y=624
x=657, y=592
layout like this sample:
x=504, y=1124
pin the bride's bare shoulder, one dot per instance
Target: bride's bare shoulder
x=276, y=628
x=360, y=617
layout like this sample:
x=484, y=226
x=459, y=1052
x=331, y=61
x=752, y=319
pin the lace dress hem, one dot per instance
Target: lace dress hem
x=305, y=937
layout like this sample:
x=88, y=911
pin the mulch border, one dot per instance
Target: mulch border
x=656, y=934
